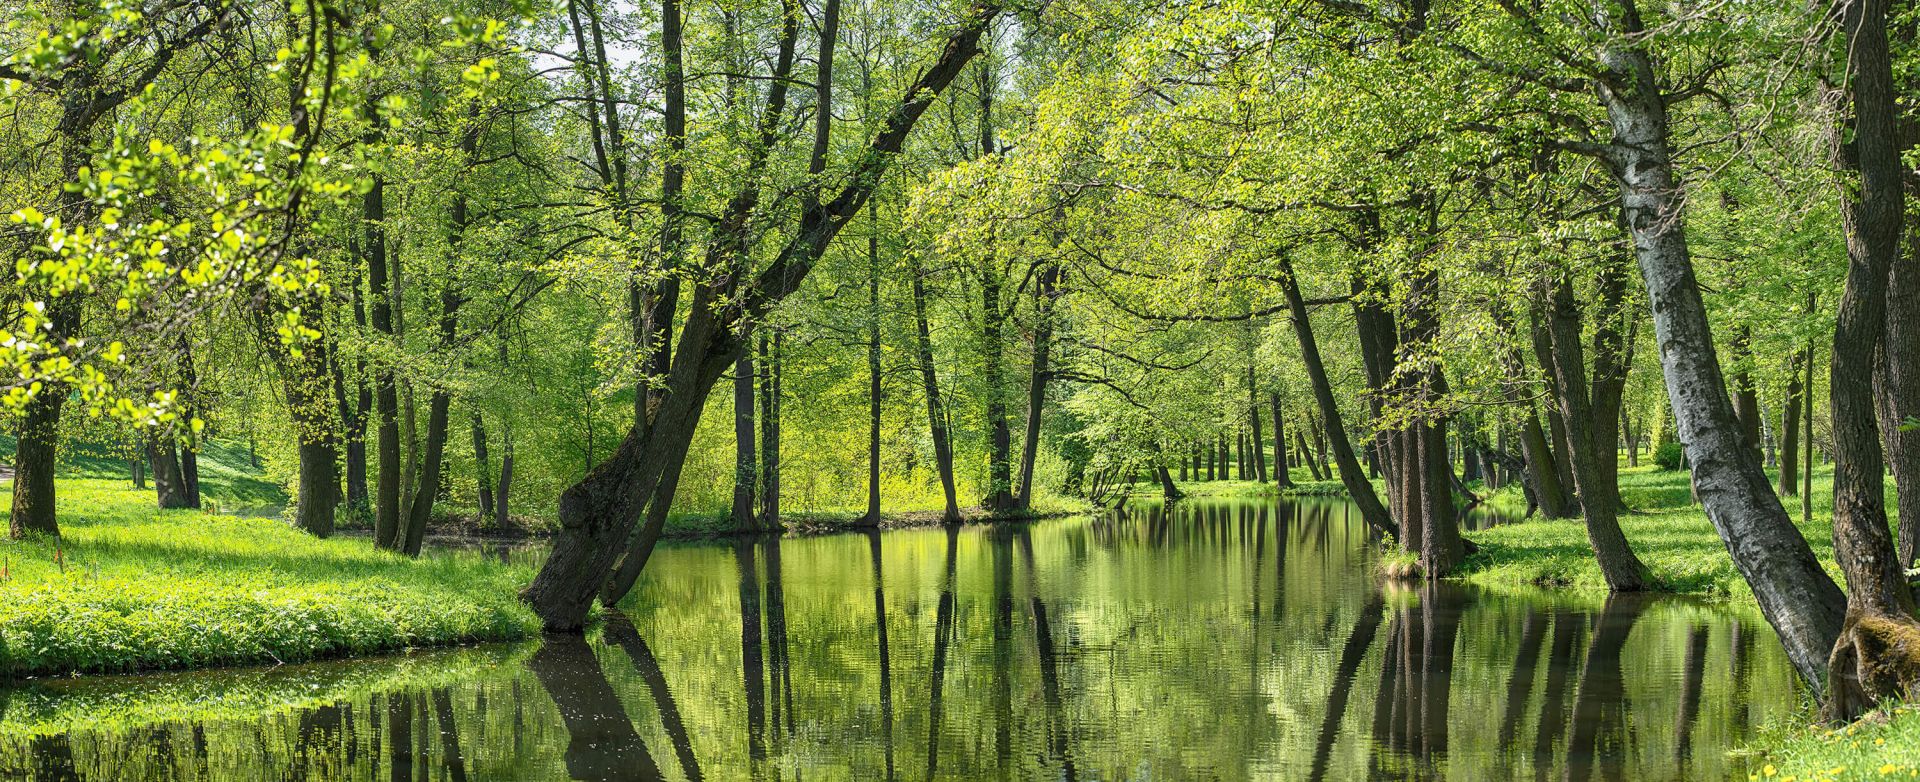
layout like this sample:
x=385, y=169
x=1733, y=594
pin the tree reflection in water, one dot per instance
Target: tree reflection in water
x=1202, y=639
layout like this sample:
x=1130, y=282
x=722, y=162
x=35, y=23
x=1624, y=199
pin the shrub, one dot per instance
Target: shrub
x=1668, y=456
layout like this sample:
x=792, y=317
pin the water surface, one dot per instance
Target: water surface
x=1218, y=640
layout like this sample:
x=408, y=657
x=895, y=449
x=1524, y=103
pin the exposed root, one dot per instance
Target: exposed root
x=1876, y=657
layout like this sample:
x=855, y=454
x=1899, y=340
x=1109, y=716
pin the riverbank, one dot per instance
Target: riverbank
x=128, y=587
x=1684, y=555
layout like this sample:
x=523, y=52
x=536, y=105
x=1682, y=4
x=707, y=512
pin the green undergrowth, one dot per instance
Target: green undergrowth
x=129, y=587
x=1672, y=537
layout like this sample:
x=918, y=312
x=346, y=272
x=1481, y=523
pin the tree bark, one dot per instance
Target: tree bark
x=1799, y=600
x=1600, y=495
x=1282, y=477
x=745, y=454
x=1259, y=442
x=1790, y=429
x=1045, y=292
x=386, y=392
x=1351, y=473
x=483, y=472
x=770, y=431
x=930, y=389
x=874, y=389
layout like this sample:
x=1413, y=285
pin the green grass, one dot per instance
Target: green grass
x=1883, y=745
x=228, y=480
x=129, y=587
x=1672, y=536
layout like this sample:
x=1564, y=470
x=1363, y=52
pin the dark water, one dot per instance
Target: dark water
x=1221, y=641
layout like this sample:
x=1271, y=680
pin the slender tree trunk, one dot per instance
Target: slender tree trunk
x=483, y=472
x=770, y=355
x=1790, y=428
x=1746, y=398
x=1351, y=474
x=501, y=508
x=386, y=393
x=1799, y=600
x=1600, y=495
x=1045, y=291
x=1313, y=465
x=1902, y=382
x=930, y=389
x=1259, y=441
x=874, y=389
x=1282, y=477
x=744, y=452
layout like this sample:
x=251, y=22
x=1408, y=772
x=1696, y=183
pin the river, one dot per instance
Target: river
x=1218, y=640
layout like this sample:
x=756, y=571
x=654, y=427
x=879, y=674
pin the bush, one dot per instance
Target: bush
x=1668, y=456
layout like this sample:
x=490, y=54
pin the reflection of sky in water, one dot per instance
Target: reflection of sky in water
x=1224, y=640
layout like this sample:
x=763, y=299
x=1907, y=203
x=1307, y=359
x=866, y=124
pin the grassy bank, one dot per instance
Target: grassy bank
x=128, y=587
x=1684, y=554
x=1670, y=534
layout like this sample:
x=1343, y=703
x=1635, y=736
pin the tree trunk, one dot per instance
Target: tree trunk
x=1599, y=494
x=1790, y=430
x=1045, y=291
x=1746, y=398
x=1901, y=355
x=1313, y=465
x=168, y=490
x=483, y=472
x=386, y=392
x=503, y=492
x=770, y=355
x=421, y=510
x=999, y=498
x=1351, y=475
x=1259, y=441
x=930, y=388
x=744, y=452
x=1799, y=600
x=1872, y=210
x=1282, y=477
x=1168, y=490
x=874, y=389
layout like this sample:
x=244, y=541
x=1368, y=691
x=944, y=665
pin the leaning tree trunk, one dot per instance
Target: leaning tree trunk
x=597, y=514
x=1599, y=494
x=1352, y=475
x=1799, y=600
x=930, y=388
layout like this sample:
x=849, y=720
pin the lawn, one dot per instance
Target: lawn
x=128, y=587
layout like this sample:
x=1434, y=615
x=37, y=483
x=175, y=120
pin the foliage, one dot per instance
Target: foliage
x=1669, y=455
